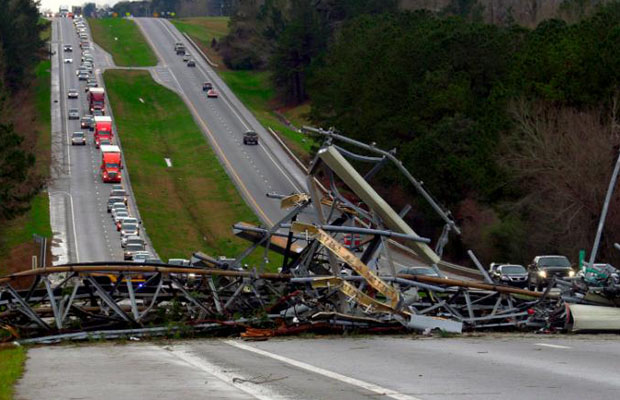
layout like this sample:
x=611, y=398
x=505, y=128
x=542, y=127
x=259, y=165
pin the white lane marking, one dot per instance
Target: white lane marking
x=239, y=118
x=553, y=346
x=254, y=390
x=329, y=374
x=63, y=99
x=75, y=241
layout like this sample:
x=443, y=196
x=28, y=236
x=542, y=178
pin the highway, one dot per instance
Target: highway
x=481, y=366
x=255, y=170
x=83, y=230
x=494, y=366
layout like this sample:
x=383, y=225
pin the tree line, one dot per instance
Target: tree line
x=21, y=48
x=515, y=129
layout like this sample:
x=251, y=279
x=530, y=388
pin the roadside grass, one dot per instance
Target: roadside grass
x=11, y=369
x=192, y=205
x=16, y=242
x=21, y=229
x=46, y=33
x=254, y=88
x=130, y=50
x=42, y=97
x=202, y=31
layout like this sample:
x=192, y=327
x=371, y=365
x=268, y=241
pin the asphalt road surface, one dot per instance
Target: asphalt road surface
x=83, y=230
x=256, y=170
x=408, y=368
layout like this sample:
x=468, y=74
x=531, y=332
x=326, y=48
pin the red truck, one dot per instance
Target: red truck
x=96, y=99
x=111, y=164
x=103, y=129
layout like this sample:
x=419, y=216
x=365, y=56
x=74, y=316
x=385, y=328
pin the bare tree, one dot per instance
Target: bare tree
x=563, y=159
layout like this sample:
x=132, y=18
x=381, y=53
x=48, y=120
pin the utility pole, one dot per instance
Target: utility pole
x=601, y=222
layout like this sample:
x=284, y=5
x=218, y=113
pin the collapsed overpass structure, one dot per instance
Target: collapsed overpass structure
x=323, y=284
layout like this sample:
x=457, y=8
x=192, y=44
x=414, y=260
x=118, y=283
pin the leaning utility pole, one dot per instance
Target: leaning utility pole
x=601, y=222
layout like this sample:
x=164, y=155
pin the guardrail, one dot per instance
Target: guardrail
x=287, y=150
x=202, y=54
x=295, y=159
x=457, y=269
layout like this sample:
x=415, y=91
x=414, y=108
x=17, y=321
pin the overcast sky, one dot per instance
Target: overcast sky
x=55, y=4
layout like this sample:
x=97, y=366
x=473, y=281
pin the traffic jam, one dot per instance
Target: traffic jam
x=99, y=126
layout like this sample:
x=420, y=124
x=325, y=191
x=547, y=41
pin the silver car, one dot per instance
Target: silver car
x=182, y=262
x=120, y=194
x=132, y=249
x=141, y=256
x=130, y=227
x=125, y=240
x=78, y=138
x=116, y=207
x=74, y=113
x=113, y=200
x=119, y=216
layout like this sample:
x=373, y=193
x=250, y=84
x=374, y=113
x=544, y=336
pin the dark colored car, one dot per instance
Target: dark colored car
x=250, y=137
x=87, y=122
x=191, y=63
x=68, y=48
x=207, y=86
x=544, y=268
x=509, y=274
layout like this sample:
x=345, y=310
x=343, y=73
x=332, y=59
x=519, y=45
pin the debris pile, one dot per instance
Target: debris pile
x=349, y=262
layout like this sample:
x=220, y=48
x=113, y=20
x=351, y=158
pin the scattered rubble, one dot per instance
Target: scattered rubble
x=324, y=285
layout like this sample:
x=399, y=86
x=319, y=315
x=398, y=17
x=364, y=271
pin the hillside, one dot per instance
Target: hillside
x=524, y=12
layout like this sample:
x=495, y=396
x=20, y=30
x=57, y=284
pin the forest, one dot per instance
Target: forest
x=513, y=128
x=21, y=48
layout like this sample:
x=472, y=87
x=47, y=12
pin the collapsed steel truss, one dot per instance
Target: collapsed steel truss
x=322, y=284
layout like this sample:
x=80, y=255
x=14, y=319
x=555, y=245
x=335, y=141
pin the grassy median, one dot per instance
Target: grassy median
x=123, y=40
x=192, y=205
x=11, y=369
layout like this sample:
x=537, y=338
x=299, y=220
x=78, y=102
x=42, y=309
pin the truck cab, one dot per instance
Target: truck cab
x=96, y=99
x=103, y=129
x=111, y=164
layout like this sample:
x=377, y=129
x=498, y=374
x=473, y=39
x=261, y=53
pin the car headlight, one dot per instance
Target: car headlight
x=504, y=278
x=542, y=274
x=571, y=273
